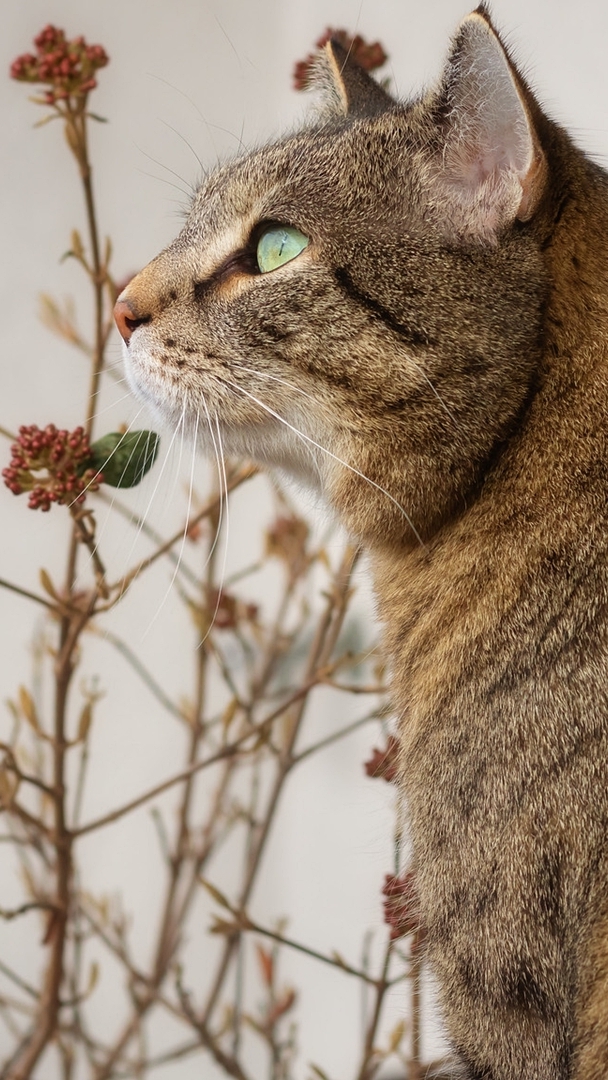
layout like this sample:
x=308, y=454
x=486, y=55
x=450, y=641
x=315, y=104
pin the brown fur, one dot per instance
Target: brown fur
x=444, y=334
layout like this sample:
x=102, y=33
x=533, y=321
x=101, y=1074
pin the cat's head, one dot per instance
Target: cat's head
x=359, y=303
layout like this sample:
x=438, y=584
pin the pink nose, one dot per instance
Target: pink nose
x=126, y=320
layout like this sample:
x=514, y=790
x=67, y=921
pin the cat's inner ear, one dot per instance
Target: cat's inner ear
x=347, y=89
x=492, y=164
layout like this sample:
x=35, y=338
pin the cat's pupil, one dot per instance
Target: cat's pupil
x=279, y=245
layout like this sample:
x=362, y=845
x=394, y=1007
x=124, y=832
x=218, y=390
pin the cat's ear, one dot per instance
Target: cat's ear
x=492, y=166
x=347, y=89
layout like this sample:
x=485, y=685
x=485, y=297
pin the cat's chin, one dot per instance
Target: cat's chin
x=269, y=448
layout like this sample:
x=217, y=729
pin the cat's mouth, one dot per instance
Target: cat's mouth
x=220, y=414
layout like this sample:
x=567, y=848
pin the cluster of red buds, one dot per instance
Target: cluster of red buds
x=401, y=904
x=66, y=67
x=228, y=611
x=385, y=763
x=51, y=465
x=367, y=56
x=287, y=539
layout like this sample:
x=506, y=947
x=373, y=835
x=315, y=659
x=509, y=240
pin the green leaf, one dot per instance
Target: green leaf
x=124, y=460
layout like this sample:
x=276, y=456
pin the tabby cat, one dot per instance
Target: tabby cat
x=406, y=306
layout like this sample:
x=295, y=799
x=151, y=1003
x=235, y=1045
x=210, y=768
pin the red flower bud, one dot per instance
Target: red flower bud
x=66, y=67
x=401, y=904
x=385, y=763
x=369, y=57
x=50, y=465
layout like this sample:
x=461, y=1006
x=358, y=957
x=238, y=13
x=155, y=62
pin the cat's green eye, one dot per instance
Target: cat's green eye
x=278, y=245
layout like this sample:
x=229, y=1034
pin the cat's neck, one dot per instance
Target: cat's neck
x=527, y=505
x=573, y=233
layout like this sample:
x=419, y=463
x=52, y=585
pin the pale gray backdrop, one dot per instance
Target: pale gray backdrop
x=193, y=78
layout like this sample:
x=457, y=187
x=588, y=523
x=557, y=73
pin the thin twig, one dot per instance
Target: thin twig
x=211, y=507
x=18, y=981
x=226, y=752
x=368, y=1067
x=246, y=924
x=135, y=663
x=35, y=905
x=323, y=644
x=335, y=737
x=28, y=595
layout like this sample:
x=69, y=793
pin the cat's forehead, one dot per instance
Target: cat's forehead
x=317, y=177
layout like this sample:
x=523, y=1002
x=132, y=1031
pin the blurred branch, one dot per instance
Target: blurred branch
x=28, y=595
x=208, y=510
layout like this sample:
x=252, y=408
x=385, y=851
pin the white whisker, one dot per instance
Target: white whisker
x=223, y=480
x=114, y=404
x=100, y=532
x=410, y=359
x=223, y=496
x=324, y=450
x=112, y=453
x=186, y=523
x=293, y=389
x=156, y=485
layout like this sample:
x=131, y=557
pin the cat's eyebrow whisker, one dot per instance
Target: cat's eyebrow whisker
x=229, y=40
x=329, y=453
x=187, y=143
x=356, y=30
x=161, y=180
x=208, y=123
x=190, y=187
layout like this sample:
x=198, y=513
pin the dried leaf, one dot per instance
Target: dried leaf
x=396, y=1036
x=229, y=714
x=12, y=708
x=9, y=784
x=216, y=894
x=28, y=880
x=77, y=245
x=28, y=708
x=266, y=962
x=84, y=722
x=61, y=321
x=220, y=926
x=47, y=585
x=280, y=1007
x=93, y=977
x=45, y=119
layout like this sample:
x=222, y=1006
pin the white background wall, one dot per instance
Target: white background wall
x=192, y=78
